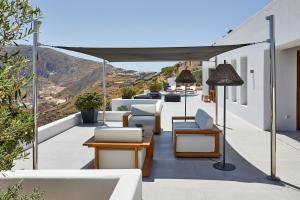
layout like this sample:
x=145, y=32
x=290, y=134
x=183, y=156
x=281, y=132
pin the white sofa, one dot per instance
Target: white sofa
x=78, y=184
x=197, y=138
x=119, y=158
x=145, y=114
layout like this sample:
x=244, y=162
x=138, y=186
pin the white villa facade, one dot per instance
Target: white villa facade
x=251, y=101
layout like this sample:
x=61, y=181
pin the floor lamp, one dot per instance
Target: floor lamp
x=224, y=75
x=185, y=77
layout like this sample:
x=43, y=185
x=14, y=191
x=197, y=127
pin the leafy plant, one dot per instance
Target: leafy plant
x=89, y=101
x=168, y=71
x=128, y=92
x=16, y=122
x=123, y=108
x=155, y=86
x=198, y=75
x=13, y=193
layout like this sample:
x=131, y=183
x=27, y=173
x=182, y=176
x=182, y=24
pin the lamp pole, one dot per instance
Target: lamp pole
x=224, y=127
x=36, y=25
x=185, y=102
x=271, y=41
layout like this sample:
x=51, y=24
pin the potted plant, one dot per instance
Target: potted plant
x=127, y=92
x=89, y=103
x=155, y=86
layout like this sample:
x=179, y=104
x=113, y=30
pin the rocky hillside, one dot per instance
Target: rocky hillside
x=62, y=77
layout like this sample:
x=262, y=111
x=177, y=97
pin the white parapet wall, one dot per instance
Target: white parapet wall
x=78, y=184
x=57, y=127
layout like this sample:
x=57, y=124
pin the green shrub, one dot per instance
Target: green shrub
x=89, y=101
x=123, y=108
x=155, y=86
x=128, y=92
x=13, y=193
x=168, y=71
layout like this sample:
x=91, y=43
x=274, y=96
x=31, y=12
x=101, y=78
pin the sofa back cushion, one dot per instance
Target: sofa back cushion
x=143, y=109
x=203, y=120
x=118, y=134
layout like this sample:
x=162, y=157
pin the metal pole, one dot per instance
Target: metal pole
x=36, y=25
x=104, y=90
x=271, y=41
x=224, y=126
x=216, y=93
x=185, y=102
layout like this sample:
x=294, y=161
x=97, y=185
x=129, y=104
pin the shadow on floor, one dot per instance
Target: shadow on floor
x=295, y=135
x=167, y=166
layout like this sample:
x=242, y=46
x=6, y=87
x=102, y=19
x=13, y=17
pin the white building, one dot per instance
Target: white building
x=251, y=101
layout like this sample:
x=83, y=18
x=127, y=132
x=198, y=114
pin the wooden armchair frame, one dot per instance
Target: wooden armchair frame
x=157, y=126
x=209, y=132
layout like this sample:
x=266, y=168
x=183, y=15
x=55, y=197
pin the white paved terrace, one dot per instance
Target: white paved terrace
x=191, y=178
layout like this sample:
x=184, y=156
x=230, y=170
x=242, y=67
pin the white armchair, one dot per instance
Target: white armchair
x=197, y=138
x=122, y=148
x=145, y=114
x=119, y=158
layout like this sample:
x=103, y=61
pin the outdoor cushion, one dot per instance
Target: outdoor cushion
x=203, y=120
x=118, y=134
x=144, y=120
x=143, y=109
x=185, y=125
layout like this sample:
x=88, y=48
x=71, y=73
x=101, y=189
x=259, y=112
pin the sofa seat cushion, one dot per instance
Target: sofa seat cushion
x=185, y=125
x=143, y=109
x=118, y=134
x=203, y=120
x=144, y=120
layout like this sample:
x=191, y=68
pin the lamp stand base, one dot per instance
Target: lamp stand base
x=224, y=166
x=273, y=178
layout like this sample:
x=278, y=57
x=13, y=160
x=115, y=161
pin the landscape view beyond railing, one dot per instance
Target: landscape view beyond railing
x=62, y=77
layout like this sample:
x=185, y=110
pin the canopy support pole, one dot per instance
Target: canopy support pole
x=271, y=41
x=104, y=90
x=35, y=143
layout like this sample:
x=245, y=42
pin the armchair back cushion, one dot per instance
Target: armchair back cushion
x=143, y=109
x=118, y=134
x=203, y=120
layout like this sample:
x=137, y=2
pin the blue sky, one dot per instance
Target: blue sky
x=141, y=23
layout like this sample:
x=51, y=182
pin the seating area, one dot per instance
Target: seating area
x=168, y=171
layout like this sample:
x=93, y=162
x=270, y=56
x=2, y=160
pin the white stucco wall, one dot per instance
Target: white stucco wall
x=287, y=34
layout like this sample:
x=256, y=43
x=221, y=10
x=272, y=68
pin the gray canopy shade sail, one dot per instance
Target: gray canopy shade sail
x=141, y=54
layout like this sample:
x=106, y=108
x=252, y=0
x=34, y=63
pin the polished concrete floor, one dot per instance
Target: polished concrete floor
x=190, y=178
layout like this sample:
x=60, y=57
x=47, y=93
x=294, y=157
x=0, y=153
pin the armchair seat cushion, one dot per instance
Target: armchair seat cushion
x=145, y=120
x=185, y=125
x=118, y=134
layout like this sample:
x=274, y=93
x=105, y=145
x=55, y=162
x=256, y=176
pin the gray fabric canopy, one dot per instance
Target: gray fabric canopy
x=200, y=53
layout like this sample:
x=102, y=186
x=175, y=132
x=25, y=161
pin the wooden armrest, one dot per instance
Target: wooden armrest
x=182, y=117
x=125, y=119
x=213, y=131
x=126, y=114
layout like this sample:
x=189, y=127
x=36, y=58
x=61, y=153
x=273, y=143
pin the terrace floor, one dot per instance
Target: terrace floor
x=191, y=178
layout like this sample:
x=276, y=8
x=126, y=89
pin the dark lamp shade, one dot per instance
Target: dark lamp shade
x=185, y=76
x=224, y=75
